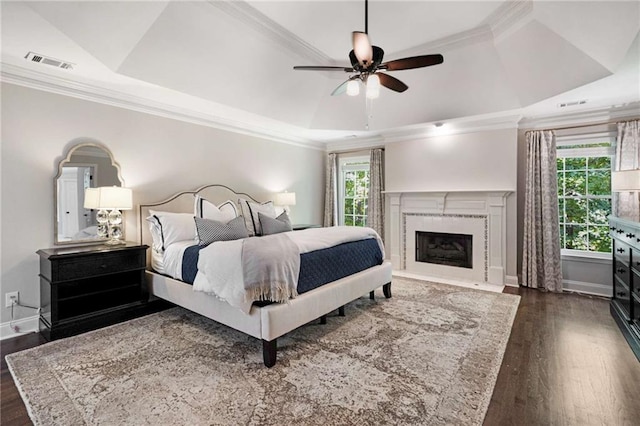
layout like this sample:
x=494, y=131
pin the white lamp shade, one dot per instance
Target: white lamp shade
x=285, y=199
x=373, y=86
x=114, y=197
x=625, y=180
x=353, y=88
x=91, y=198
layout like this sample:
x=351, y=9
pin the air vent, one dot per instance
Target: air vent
x=36, y=57
x=570, y=104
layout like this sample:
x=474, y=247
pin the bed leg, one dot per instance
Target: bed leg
x=386, y=289
x=341, y=311
x=323, y=319
x=269, y=352
x=372, y=295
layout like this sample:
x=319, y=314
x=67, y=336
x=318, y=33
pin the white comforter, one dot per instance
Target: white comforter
x=220, y=263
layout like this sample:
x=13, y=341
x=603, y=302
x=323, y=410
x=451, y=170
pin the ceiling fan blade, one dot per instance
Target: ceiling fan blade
x=340, y=89
x=322, y=68
x=412, y=62
x=362, y=48
x=391, y=82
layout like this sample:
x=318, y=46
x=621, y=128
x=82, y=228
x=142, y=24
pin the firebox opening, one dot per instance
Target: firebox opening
x=444, y=249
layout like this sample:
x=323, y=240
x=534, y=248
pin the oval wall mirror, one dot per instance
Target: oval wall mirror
x=87, y=165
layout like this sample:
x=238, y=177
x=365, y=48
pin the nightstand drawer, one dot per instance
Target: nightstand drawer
x=95, y=265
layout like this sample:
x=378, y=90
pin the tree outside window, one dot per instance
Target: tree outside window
x=584, y=196
x=353, y=191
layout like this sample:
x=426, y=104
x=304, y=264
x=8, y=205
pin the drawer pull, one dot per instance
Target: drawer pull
x=620, y=250
x=621, y=270
x=613, y=228
x=620, y=231
x=103, y=266
x=630, y=235
x=621, y=294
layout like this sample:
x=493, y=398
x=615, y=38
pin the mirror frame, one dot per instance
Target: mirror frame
x=61, y=164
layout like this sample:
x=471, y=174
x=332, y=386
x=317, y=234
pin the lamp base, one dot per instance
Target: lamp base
x=114, y=242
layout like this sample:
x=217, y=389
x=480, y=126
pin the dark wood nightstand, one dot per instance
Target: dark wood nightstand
x=84, y=288
x=300, y=227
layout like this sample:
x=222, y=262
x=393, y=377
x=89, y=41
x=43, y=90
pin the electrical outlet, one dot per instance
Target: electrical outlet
x=10, y=298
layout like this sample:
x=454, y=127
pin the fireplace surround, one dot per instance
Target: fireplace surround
x=479, y=215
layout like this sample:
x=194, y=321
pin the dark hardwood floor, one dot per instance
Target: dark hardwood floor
x=566, y=363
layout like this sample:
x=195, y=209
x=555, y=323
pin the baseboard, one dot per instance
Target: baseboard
x=595, y=289
x=511, y=281
x=25, y=326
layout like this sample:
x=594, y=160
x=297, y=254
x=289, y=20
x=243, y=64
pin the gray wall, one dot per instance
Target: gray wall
x=157, y=156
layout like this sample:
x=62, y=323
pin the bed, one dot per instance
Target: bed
x=264, y=321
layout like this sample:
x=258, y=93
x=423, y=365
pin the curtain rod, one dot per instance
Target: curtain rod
x=580, y=126
x=351, y=151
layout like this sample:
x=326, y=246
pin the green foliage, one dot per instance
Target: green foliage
x=584, y=202
x=356, y=193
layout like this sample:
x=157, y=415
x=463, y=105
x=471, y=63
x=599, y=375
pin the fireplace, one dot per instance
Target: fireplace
x=444, y=248
x=473, y=220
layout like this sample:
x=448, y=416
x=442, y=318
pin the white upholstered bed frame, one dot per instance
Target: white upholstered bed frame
x=267, y=322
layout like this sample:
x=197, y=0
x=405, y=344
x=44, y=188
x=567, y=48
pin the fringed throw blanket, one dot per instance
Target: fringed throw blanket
x=266, y=268
x=270, y=267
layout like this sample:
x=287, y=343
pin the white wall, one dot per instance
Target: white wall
x=473, y=161
x=157, y=156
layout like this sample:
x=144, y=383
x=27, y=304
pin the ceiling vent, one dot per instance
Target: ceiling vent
x=570, y=104
x=41, y=59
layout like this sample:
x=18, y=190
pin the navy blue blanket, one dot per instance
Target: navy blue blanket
x=316, y=267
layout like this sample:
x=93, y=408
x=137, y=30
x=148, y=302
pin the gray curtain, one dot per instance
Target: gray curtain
x=625, y=204
x=331, y=192
x=541, y=266
x=375, y=202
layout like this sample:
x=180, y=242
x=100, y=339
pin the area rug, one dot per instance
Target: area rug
x=428, y=356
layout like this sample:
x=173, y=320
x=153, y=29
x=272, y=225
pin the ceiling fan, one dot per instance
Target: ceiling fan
x=366, y=63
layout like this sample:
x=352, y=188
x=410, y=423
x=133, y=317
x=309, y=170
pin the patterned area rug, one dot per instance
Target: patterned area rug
x=428, y=356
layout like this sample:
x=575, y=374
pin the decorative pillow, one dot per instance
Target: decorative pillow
x=250, y=212
x=213, y=230
x=171, y=227
x=205, y=209
x=270, y=226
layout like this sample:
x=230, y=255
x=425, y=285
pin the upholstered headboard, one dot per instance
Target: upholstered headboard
x=183, y=202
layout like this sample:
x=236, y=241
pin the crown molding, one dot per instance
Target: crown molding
x=54, y=84
x=509, y=16
x=585, y=117
x=454, y=41
x=466, y=125
x=270, y=29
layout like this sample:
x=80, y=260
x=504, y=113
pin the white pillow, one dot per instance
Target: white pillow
x=205, y=209
x=172, y=227
x=250, y=212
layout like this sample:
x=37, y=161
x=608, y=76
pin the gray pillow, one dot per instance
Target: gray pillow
x=212, y=230
x=270, y=226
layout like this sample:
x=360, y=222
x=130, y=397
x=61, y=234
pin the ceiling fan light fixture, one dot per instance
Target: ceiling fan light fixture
x=373, y=86
x=353, y=88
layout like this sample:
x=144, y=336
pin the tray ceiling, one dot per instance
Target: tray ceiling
x=233, y=59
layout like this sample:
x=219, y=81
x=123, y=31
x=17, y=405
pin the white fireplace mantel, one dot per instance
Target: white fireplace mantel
x=480, y=213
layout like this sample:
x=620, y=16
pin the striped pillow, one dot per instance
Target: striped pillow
x=210, y=231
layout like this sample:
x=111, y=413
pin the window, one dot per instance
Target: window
x=584, y=192
x=353, y=191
